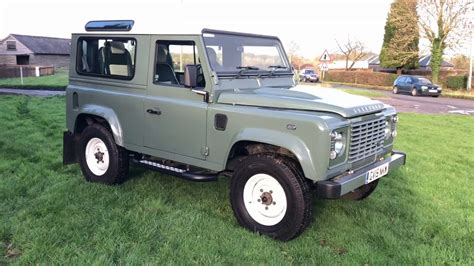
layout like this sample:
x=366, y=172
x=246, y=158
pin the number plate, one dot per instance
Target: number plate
x=433, y=90
x=376, y=173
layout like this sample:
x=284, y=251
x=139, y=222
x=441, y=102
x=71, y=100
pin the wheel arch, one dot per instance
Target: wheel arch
x=255, y=141
x=98, y=114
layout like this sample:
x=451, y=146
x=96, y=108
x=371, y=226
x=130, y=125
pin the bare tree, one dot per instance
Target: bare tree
x=353, y=50
x=293, y=50
x=441, y=24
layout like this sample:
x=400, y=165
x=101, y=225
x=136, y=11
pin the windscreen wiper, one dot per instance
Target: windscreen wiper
x=275, y=68
x=245, y=68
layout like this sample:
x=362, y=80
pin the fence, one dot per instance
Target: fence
x=14, y=71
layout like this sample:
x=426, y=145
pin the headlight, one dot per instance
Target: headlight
x=388, y=129
x=391, y=127
x=424, y=87
x=337, y=144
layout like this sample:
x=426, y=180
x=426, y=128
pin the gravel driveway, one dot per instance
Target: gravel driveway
x=38, y=93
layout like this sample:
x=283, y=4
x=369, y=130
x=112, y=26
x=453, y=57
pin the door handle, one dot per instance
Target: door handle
x=154, y=111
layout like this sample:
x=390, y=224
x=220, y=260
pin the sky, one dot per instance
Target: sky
x=312, y=25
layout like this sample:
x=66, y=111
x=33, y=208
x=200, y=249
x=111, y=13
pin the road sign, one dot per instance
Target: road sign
x=325, y=57
x=324, y=67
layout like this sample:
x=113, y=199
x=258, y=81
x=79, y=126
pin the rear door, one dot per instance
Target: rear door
x=176, y=117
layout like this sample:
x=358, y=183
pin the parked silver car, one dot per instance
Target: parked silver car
x=308, y=75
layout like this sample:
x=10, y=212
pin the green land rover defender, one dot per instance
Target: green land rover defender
x=222, y=104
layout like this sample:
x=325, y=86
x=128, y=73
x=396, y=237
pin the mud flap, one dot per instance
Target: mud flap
x=69, y=148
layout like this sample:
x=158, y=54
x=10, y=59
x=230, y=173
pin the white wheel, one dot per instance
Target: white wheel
x=265, y=199
x=97, y=156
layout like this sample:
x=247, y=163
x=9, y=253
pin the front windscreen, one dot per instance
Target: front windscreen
x=231, y=54
x=424, y=81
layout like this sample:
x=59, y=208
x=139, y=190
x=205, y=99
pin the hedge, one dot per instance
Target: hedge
x=361, y=77
x=456, y=82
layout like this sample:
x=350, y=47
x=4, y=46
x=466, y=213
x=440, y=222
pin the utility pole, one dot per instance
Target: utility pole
x=469, y=76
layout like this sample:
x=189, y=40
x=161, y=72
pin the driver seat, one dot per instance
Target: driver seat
x=164, y=70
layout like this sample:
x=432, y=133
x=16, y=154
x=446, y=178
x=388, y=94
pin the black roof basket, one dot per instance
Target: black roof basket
x=110, y=25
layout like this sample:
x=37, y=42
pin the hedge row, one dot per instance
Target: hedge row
x=456, y=82
x=387, y=79
x=361, y=77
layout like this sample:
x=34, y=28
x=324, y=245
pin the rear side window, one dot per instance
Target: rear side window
x=401, y=80
x=106, y=57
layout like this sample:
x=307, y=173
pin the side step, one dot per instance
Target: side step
x=174, y=171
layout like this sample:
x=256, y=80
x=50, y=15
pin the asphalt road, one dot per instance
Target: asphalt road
x=428, y=105
x=421, y=104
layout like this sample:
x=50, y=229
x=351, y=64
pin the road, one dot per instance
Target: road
x=428, y=105
x=420, y=104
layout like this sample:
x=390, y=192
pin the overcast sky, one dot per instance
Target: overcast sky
x=313, y=25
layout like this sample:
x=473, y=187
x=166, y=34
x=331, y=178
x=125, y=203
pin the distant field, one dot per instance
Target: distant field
x=58, y=81
x=421, y=214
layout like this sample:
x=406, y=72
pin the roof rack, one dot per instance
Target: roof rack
x=110, y=25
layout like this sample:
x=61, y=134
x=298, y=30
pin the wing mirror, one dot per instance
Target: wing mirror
x=190, y=81
x=190, y=76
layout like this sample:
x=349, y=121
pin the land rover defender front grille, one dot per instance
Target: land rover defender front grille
x=367, y=139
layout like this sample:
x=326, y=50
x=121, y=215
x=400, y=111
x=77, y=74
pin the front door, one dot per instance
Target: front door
x=175, y=119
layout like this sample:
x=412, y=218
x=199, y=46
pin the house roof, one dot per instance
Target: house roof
x=374, y=60
x=425, y=62
x=44, y=45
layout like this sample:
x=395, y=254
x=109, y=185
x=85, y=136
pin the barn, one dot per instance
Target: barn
x=18, y=49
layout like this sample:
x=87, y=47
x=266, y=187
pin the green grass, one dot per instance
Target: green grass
x=58, y=81
x=420, y=214
x=366, y=93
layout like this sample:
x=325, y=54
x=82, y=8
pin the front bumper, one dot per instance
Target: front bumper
x=338, y=186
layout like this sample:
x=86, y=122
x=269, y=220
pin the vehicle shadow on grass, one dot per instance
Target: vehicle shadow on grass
x=375, y=223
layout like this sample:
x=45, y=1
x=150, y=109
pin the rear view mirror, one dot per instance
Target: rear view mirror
x=190, y=76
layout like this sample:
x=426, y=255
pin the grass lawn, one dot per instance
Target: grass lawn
x=420, y=214
x=366, y=93
x=58, y=81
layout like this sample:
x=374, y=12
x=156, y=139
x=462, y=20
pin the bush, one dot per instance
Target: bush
x=456, y=82
x=361, y=77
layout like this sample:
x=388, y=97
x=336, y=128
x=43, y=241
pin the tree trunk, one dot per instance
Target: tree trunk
x=436, y=59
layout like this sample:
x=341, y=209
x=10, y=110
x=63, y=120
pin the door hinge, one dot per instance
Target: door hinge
x=205, y=151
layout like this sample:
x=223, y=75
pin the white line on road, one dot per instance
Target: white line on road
x=462, y=112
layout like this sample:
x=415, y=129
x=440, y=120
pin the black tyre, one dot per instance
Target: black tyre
x=101, y=160
x=362, y=192
x=395, y=90
x=270, y=195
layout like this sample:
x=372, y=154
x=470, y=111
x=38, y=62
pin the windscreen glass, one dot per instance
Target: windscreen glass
x=239, y=54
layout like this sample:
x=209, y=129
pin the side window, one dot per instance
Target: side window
x=106, y=57
x=171, y=59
